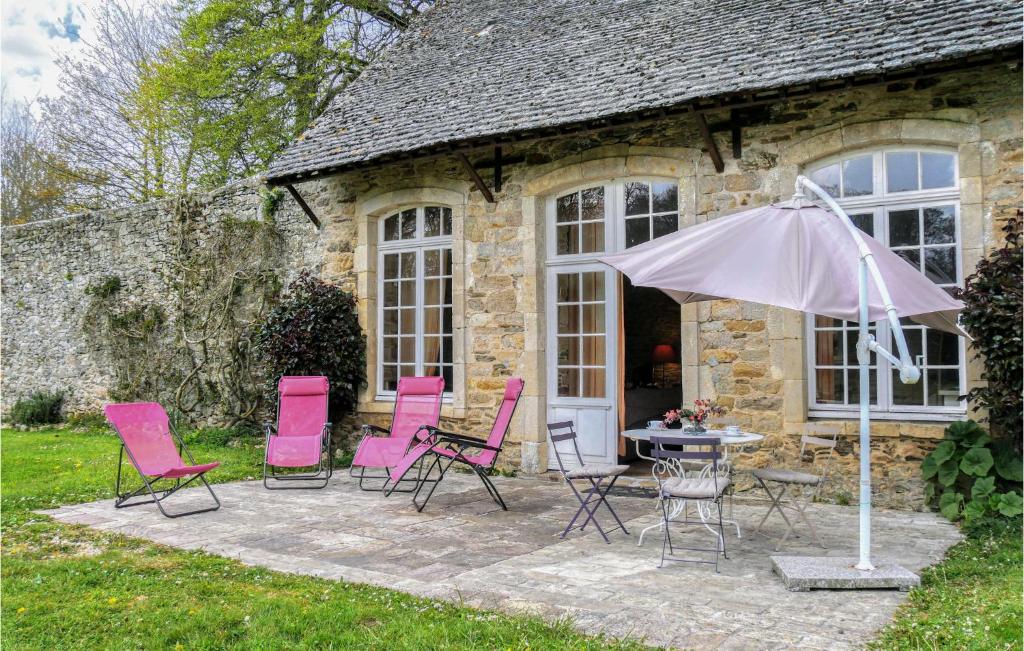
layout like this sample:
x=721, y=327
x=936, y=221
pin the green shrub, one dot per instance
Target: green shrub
x=993, y=315
x=315, y=330
x=40, y=408
x=87, y=420
x=970, y=476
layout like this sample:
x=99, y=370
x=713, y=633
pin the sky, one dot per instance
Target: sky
x=32, y=34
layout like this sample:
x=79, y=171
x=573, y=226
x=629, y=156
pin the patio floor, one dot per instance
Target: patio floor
x=464, y=548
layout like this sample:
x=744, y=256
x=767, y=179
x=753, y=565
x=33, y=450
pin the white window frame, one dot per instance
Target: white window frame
x=417, y=244
x=880, y=203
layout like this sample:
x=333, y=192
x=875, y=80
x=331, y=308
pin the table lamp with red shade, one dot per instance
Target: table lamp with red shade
x=663, y=354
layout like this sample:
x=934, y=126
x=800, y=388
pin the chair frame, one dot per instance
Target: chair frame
x=664, y=458
x=322, y=475
x=597, y=492
x=121, y=501
x=458, y=444
x=801, y=500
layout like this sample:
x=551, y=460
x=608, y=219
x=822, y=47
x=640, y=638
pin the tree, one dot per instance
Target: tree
x=250, y=76
x=33, y=182
x=120, y=147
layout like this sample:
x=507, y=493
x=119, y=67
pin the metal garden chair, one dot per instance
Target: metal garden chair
x=806, y=486
x=705, y=490
x=154, y=449
x=302, y=435
x=593, y=474
x=448, y=448
x=417, y=406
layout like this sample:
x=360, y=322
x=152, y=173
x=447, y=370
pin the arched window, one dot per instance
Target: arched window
x=908, y=199
x=415, y=290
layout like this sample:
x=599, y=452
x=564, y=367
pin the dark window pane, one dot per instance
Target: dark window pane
x=568, y=288
x=407, y=350
x=637, y=231
x=409, y=224
x=901, y=171
x=828, y=179
x=937, y=170
x=446, y=262
x=432, y=262
x=408, y=265
x=391, y=265
x=666, y=224
x=853, y=378
x=913, y=336
x=638, y=199
x=568, y=207
x=407, y=321
x=940, y=265
x=943, y=387
x=829, y=386
x=447, y=349
x=943, y=348
x=431, y=221
x=593, y=237
x=568, y=382
x=593, y=203
x=446, y=323
x=865, y=222
x=939, y=225
x=569, y=351
x=446, y=221
x=390, y=322
x=913, y=256
x=390, y=352
x=389, y=379
x=390, y=294
x=857, y=179
x=391, y=228
x=568, y=239
x=446, y=292
x=904, y=228
x=407, y=370
x=666, y=197
x=568, y=319
x=446, y=373
x=906, y=394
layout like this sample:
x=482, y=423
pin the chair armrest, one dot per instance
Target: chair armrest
x=464, y=441
x=368, y=429
x=269, y=429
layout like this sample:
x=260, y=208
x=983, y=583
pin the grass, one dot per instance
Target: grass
x=70, y=587
x=972, y=600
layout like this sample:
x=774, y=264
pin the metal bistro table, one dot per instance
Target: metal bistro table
x=679, y=469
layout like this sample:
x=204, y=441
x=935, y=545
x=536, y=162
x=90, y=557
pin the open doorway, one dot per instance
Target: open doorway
x=652, y=368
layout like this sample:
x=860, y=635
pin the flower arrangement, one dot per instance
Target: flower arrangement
x=696, y=417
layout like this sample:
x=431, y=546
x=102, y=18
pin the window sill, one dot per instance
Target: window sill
x=909, y=416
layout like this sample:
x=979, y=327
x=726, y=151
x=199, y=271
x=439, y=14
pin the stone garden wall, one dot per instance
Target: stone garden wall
x=750, y=358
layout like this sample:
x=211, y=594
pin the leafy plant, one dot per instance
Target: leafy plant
x=994, y=317
x=970, y=476
x=315, y=330
x=40, y=408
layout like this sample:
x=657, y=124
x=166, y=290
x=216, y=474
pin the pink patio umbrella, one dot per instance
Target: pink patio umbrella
x=800, y=256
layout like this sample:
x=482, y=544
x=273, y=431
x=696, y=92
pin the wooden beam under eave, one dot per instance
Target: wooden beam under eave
x=709, y=142
x=477, y=181
x=302, y=204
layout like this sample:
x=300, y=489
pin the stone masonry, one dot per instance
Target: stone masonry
x=749, y=357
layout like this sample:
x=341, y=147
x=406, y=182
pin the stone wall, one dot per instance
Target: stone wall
x=48, y=266
x=749, y=357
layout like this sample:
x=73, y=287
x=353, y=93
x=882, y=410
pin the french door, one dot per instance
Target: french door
x=582, y=300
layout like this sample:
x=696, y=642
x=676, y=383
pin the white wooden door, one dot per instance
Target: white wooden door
x=582, y=305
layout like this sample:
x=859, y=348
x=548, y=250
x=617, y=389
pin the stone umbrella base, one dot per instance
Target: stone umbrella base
x=803, y=573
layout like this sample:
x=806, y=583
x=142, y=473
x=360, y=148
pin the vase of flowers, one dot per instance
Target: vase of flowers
x=693, y=419
x=674, y=418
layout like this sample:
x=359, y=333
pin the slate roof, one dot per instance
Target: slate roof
x=473, y=69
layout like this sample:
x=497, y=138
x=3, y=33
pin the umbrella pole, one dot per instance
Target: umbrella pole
x=863, y=360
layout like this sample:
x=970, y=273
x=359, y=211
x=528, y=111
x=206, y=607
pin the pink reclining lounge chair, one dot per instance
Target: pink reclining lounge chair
x=447, y=448
x=147, y=437
x=417, y=406
x=303, y=433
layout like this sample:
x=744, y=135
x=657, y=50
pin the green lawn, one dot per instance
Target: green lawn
x=68, y=587
x=972, y=600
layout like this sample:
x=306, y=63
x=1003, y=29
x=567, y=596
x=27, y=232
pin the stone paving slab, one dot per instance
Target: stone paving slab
x=464, y=548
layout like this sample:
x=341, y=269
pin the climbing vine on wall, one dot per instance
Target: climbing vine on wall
x=191, y=349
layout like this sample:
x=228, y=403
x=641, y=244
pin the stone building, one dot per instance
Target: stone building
x=465, y=185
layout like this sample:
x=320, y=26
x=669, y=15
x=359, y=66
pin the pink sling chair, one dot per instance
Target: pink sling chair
x=417, y=406
x=303, y=433
x=447, y=448
x=154, y=448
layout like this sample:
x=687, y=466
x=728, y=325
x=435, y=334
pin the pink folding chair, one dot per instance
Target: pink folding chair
x=302, y=435
x=417, y=406
x=147, y=437
x=447, y=448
